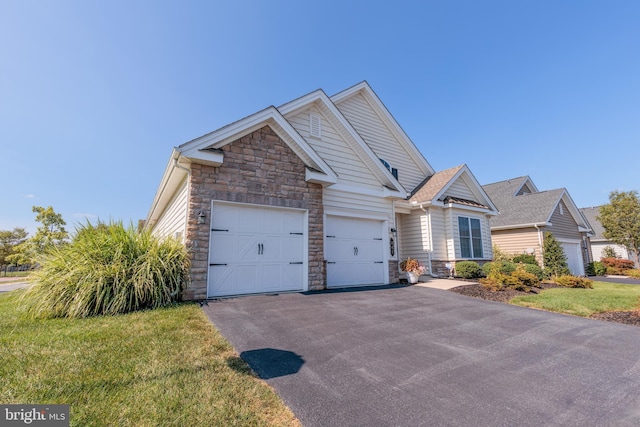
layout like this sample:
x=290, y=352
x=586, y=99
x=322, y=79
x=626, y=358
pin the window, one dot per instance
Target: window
x=393, y=171
x=561, y=209
x=470, y=237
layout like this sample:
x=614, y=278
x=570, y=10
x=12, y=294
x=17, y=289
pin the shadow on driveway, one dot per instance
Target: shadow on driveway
x=272, y=363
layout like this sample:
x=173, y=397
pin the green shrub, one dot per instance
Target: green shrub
x=596, y=268
x=525, y=259
x=573, y=282
x=534, y=269
x=555, y=272
x=504, y=267
x=500, y=255
x=553, y=257
x=108, y=269
x=519, y=279
x=468, y=270
x=613, y=271
x=494, y=282
x=526, y=280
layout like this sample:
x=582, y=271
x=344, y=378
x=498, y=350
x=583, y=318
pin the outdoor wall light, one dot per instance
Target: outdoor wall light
x=202, y=217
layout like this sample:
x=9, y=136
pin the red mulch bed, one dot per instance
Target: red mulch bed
x=478, y=291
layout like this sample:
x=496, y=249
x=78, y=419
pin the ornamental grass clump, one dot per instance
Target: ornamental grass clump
x=108, y=269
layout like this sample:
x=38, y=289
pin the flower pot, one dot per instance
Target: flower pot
x=412, y=277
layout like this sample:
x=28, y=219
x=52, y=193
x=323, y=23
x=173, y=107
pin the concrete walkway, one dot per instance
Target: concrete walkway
x=444, y=284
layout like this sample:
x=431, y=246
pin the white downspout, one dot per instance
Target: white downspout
x=540, y=244
x=428, y=215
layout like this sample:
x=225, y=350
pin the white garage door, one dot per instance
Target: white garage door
x=354, y=252
x=256, y=249
x=574, y=257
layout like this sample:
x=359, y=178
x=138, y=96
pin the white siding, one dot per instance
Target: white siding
x=366, y=206
x=373, y=130
x=335, y=151
x=413, y=236
x=439, y=237
x=460, y=189
x=173, y=219
x=454, y=238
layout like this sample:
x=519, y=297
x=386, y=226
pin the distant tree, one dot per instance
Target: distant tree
x=9, y=241
x=621, y=220
x=50, y=233
x=553, y=257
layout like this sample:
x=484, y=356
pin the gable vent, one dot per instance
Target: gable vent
x=315, y=126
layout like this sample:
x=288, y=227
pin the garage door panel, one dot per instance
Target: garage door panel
x=257, y=248
x=354, y=252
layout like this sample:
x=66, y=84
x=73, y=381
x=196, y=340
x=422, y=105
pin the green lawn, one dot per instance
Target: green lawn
x=167, y=367
x=585, y=302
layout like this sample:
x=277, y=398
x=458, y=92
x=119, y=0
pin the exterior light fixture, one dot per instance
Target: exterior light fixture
x=201, y=217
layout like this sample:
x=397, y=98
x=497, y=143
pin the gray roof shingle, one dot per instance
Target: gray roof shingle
x=532, y=208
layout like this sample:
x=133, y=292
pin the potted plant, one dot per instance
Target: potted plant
x=414, y=269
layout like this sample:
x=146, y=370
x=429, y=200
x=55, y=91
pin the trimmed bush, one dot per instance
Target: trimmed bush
x=621, y=264
x=612, y=271
x=108, y=269
x=534, y=269
x=504, y=267
x=468, y=270
x=596, y=268
x=525, y=259
x=635, y=273
x=573, y=282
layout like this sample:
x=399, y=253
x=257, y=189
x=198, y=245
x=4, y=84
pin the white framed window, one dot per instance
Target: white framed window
x=561, y=209
x=470, y=232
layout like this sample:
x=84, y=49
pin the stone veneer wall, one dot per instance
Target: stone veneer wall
x=394, y=273
x=259, y=169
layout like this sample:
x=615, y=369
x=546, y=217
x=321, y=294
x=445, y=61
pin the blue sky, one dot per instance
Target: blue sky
x=94, y=94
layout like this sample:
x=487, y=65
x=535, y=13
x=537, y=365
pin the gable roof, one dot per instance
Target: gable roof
x=433, y=190
x=390, y=122
x=591, y=215
x=348, y=132
x=519, y=209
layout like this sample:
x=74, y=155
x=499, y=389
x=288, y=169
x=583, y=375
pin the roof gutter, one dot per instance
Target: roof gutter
x=509, y=227
x=176, y=158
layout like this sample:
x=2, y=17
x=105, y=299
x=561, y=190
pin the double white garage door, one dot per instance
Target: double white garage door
x=259, y=249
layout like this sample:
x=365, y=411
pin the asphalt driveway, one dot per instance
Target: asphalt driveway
x=412, y=356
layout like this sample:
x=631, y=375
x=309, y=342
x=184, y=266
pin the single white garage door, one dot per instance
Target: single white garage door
x=354, y=252
x=256, y=249
x=574, y=257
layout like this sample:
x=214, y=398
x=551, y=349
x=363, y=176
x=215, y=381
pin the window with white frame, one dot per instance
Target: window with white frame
x=470, y=237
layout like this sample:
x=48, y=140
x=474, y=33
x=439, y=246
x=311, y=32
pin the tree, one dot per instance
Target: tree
x=553, y=256
x=9, y=241
x=49, y=234
x=621, y=220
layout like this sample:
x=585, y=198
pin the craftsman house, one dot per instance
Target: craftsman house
x=527, y=213
x=318, y=193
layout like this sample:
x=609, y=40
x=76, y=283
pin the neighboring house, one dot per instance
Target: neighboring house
x=527, y=213
x=598, y=241
x=320, y=192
